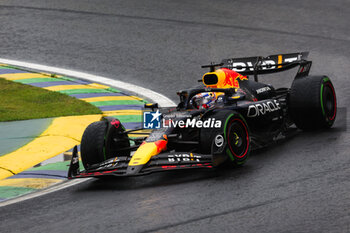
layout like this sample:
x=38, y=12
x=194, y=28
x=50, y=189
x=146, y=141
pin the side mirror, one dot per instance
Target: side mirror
x=235, y=98
x=151, y=105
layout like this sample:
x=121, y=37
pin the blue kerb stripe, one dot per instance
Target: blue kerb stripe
x=50, y=84
x=11, y=71
x=51, y=174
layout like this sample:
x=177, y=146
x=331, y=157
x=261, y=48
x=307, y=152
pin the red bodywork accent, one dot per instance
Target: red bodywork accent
x=109, y=171
x=168, y=167
x=231, y=78
x=161, y=145
x=95, y=173
x=207, y=165
x=115, y=123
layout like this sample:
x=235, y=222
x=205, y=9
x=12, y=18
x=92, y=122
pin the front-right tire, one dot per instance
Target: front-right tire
x=312, y=102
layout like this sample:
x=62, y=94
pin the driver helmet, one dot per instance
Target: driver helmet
x=205, y=100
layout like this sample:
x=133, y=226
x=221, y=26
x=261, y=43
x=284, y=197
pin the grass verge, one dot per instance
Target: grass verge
x=23, y=102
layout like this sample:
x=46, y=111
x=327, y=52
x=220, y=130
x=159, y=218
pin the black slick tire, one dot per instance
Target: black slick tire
x=92, y=144
x=312, y=103
x=235, y=132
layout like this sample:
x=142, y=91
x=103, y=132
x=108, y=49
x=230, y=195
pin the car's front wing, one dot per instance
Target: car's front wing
x=118, y=166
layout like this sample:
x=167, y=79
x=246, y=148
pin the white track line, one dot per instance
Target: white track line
x=44, y=191
x=162, y=100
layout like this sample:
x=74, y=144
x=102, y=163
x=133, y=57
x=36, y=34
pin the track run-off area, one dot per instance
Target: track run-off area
x=63, y=132
x=299, y=185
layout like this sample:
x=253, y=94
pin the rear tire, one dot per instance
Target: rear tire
x=92, y=144
x=312, y=103
x=236, y=133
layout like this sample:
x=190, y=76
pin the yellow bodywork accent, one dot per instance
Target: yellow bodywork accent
x=143, y=154
x=63, y=134
x=137, y=135
x=279, y=60
x=221, y=79
x=108, y=98
x=19, y=76
x=145, y=131
x=35, y=183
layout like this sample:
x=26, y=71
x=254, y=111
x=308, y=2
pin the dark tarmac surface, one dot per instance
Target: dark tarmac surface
x=300, y=185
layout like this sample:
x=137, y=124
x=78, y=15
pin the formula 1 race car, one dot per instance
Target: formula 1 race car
x=220, y=122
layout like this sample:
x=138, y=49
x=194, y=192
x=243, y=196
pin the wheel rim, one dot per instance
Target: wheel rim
x=238, y=138
x=329, y=101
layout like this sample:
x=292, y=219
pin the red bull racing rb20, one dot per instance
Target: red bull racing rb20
x=222, y=121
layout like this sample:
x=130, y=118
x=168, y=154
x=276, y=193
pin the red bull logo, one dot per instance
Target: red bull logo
x=223, y=78
x=231, y=78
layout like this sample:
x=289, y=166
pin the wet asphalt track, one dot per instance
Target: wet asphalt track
x=300, y=185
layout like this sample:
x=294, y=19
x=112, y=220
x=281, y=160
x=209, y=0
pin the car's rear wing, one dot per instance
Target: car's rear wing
x=269, y=64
